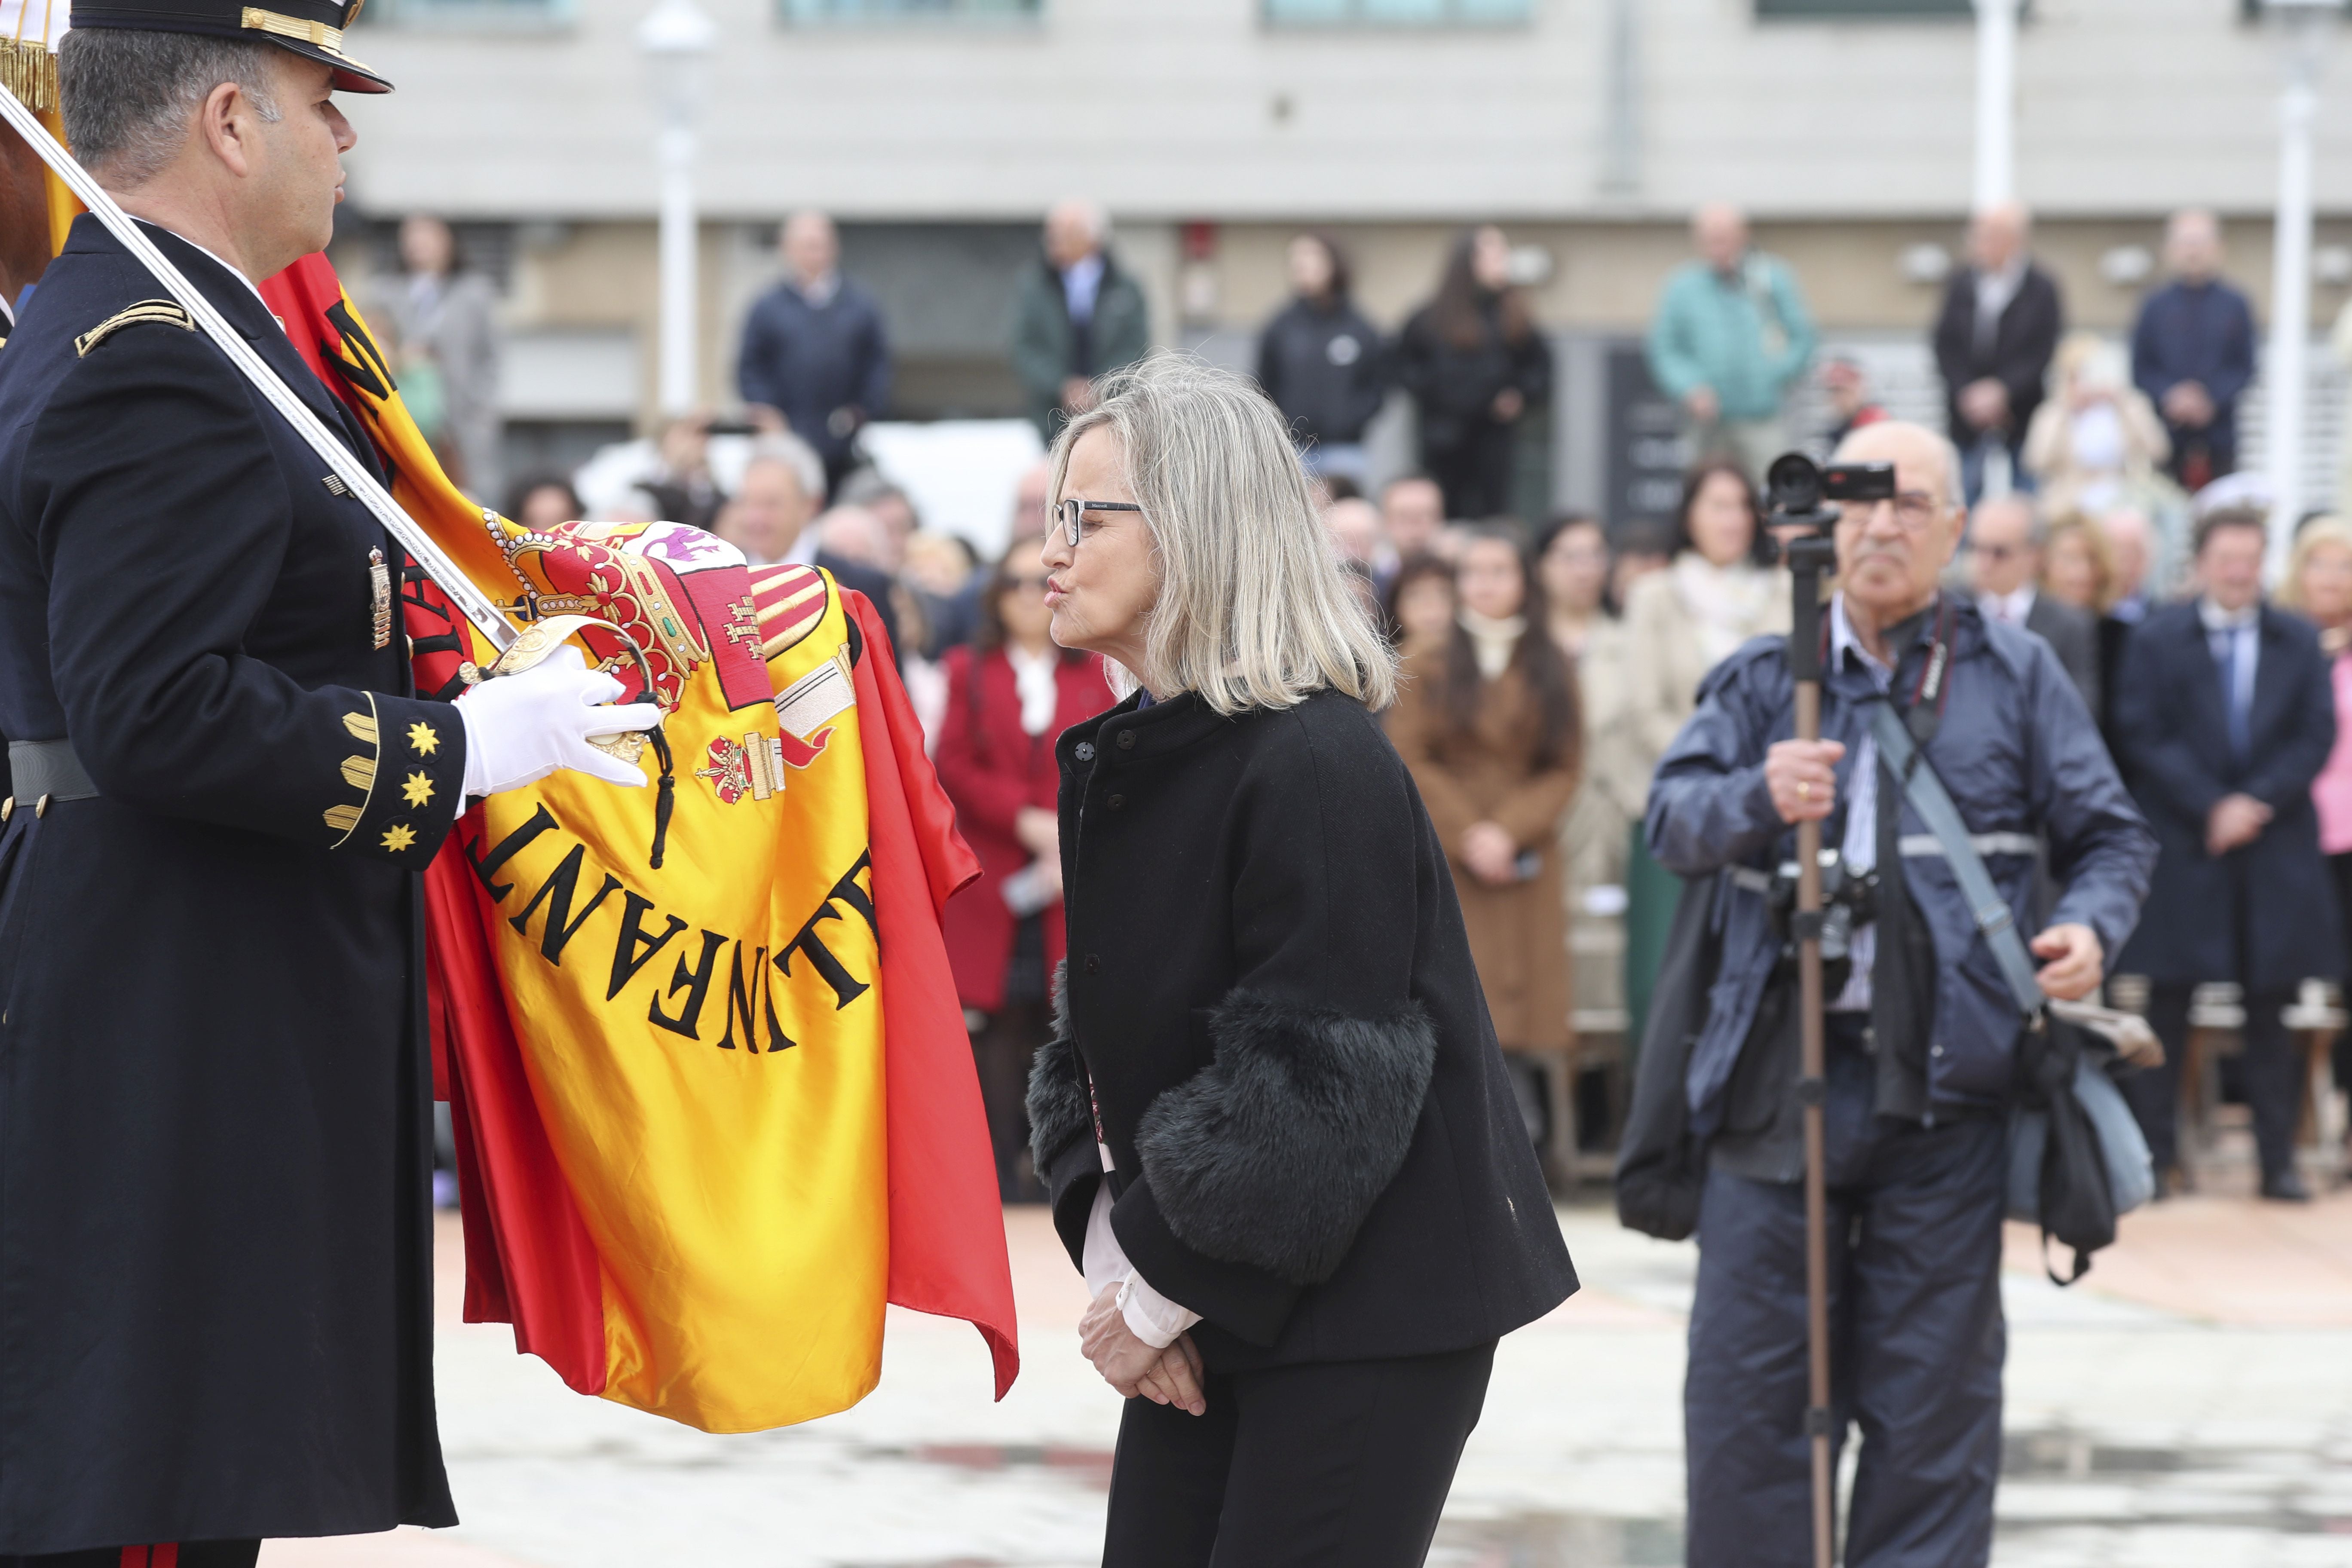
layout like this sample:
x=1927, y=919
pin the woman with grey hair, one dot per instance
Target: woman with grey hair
x=1278, y=1135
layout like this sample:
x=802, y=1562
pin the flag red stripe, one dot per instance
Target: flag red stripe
x=947, y=1230
x=528, y=1257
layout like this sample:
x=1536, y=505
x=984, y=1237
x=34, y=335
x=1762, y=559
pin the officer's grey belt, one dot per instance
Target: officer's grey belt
x=47, y=771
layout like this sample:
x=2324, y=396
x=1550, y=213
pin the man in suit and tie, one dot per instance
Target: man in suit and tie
x=2225, y=708
x=2005, y=540
x=1998, y=327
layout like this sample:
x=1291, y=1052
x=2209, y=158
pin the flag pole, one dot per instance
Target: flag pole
x=476, y=605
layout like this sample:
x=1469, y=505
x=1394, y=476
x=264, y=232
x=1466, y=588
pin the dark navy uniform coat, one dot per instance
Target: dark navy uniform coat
x=214, y=1220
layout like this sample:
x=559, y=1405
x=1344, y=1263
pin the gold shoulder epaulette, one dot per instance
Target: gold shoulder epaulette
x=145, y=310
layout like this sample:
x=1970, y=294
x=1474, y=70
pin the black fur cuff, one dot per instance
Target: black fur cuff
x=1059, y=1110
x=1274, y=1154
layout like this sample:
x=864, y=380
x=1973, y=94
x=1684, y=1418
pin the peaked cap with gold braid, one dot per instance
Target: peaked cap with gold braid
x=312, y=28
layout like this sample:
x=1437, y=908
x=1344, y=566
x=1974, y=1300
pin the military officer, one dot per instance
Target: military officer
x=214, y=1239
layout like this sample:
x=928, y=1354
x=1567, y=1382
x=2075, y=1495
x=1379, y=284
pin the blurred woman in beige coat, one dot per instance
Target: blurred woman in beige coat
x=1572, y=561
x=1680, y=623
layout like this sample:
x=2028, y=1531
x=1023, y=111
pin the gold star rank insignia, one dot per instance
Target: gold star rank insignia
x=399, y=837
x=417, y=788
x=422, y=737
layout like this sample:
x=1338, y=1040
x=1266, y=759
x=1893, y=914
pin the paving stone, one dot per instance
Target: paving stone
x=2158, y=1415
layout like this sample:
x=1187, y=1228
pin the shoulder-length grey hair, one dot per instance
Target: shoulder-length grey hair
x=1255, y=609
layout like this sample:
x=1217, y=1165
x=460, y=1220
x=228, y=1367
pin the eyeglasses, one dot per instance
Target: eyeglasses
x=1915, y=509
x=1998, y=552
x=1069, y=511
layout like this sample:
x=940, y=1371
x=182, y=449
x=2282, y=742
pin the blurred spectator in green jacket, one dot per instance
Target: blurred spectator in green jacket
x=1731, y=334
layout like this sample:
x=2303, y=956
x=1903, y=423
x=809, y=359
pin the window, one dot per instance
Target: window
x=1768, y=9
x=806, y=13
x=2252, y=10
x=1395, y=12
x=467, y=16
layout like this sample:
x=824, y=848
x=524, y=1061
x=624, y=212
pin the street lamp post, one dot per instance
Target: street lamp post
x=2285, y=376
x=677, y=38
x=1996, y=175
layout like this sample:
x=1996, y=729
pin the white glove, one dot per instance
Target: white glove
x=520, y=728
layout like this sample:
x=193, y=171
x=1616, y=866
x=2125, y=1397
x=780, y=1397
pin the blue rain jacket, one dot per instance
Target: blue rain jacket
x=2019, y=753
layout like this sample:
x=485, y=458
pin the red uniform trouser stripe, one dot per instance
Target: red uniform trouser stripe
x=165, y=1555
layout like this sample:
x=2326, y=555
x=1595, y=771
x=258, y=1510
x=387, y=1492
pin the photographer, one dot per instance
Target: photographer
x=1921, y=1032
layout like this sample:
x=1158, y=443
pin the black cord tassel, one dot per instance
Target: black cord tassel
x=665, y=797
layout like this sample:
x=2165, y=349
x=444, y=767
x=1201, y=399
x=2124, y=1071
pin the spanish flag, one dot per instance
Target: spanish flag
x=715, y=1101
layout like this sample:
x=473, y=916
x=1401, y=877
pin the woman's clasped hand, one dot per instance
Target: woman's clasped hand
x=1135, y=1367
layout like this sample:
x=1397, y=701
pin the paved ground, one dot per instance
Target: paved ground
x=2190, y=1403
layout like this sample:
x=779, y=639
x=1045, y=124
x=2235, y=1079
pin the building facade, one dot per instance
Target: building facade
x=937, y=131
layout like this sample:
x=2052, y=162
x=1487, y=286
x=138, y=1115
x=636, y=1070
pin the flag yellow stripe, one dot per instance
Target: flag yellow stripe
x=769, y=612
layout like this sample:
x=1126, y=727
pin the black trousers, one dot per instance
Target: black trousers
x=1334, y=1465
x=2268, y=1070
x=1916, y=1341
x=184, y=1555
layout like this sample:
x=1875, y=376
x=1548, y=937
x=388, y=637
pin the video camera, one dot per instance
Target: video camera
x=1797, y=491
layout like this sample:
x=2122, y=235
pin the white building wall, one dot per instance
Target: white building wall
x=1179, y=109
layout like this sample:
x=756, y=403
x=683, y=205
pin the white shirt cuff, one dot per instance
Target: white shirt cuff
x=1150, y=1316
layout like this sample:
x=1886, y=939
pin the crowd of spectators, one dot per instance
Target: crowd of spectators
x=1549, y=667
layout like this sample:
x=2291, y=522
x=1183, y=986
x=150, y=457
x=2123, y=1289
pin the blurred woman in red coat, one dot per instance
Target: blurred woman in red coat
x=1009, y=696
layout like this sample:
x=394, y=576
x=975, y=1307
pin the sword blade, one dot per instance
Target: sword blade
x=476, y=605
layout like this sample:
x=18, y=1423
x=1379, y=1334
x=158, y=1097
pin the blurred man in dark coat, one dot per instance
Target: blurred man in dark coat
x=1079, y=315
x=814, y=348
x=1994, y=337
x=2193, y=351
x=2225, y=707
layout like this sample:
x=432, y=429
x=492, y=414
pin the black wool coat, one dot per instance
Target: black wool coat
x=2270, y=903
x=1454, y=386
x=1271, y=997
x=1326, y=367
x=215, y=1248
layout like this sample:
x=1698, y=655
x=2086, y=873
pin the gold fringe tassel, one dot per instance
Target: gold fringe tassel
x=30, y=71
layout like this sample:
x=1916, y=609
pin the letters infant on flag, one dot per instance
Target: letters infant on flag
x=707, y=1049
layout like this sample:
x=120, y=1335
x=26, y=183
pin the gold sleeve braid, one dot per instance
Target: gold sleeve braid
x=358, y=771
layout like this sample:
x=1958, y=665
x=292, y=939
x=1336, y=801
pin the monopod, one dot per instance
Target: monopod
x=1799, y=491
